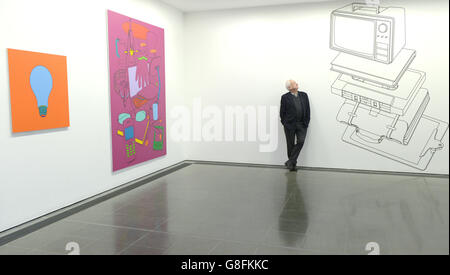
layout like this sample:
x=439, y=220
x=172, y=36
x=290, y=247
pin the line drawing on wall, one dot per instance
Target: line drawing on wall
x=384, y=99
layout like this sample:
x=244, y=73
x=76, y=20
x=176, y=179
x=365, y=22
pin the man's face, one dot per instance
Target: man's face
x=294, y=86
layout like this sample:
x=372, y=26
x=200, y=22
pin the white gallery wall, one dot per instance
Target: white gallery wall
x=215, y=61
x=242, y=57
x=43, y=171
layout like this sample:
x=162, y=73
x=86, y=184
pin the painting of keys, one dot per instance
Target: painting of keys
x=137, y=89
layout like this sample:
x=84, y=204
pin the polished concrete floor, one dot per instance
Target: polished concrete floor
x=213, y=209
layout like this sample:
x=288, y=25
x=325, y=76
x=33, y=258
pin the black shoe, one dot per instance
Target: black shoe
x=287, y=163
x=292, y=166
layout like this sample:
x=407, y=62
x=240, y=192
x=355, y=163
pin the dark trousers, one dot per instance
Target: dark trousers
x=293, y=148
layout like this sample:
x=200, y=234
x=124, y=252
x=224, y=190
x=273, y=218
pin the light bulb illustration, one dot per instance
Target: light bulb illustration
x=41, y=82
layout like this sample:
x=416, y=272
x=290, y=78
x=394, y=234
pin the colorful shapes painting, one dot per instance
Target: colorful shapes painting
x=38, y=89
x=137, y=88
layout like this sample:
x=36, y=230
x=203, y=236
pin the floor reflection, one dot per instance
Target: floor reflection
x=293, y=217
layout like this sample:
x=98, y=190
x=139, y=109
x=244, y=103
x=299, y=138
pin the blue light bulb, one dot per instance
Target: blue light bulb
x=41, y=82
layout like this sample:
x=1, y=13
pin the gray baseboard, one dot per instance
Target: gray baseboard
x=340, y=170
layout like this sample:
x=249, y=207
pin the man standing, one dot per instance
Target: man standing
x=295, y=116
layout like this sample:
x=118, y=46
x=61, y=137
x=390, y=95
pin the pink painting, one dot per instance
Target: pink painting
x=137, y=88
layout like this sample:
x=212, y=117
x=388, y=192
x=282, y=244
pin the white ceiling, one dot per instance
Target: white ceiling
x=203, y=5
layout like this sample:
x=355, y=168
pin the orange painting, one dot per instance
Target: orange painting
x=38, y=89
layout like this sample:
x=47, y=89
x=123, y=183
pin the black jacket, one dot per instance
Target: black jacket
x=288, y=111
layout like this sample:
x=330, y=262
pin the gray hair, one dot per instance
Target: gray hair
x=288, y=84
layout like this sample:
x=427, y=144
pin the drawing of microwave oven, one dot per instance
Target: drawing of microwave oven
x=368, y=31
